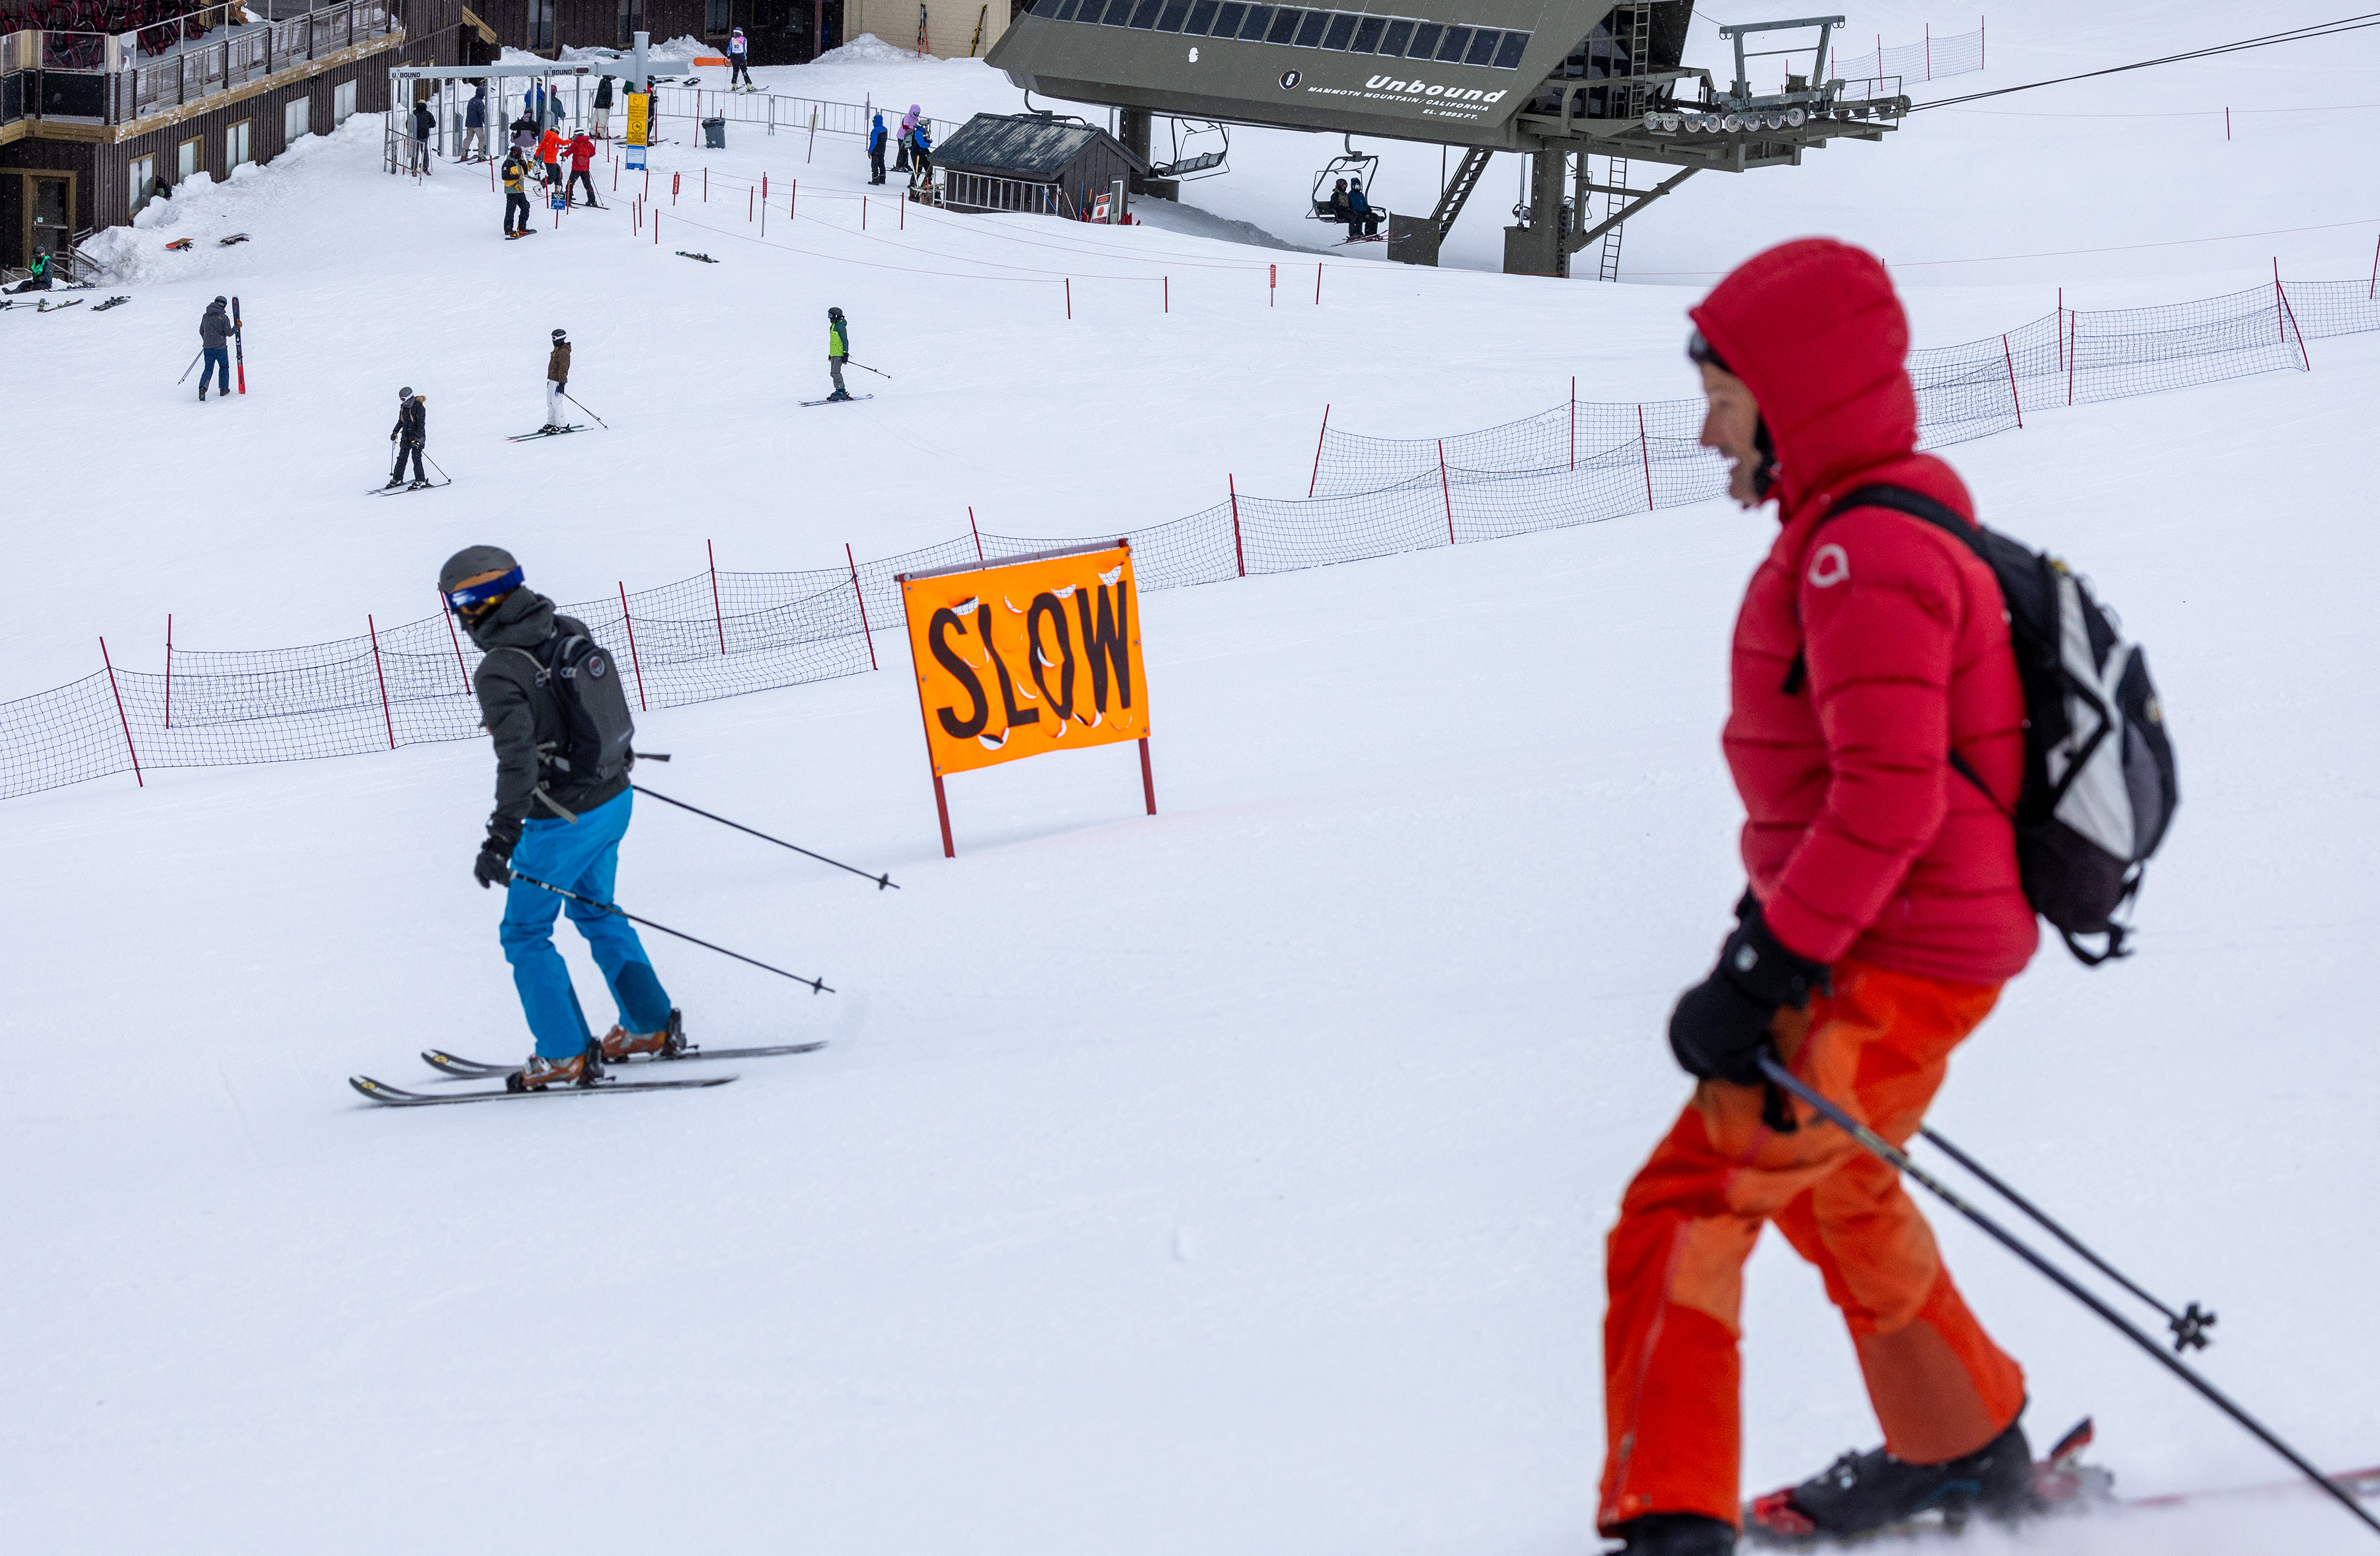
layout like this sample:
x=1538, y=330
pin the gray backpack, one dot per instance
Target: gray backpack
x=586, y=685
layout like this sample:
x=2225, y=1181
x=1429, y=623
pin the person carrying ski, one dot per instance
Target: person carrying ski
x=739, y=57
x=1876, y=735
x=1362, y=222
x=423, y=123
x=515, y=172
x=560, y=828
x=838, y=350
x=901, y=153
x=582, y=157
x=876, y=139
x=474, y=125
x=557, y=380
x=214, y=340
x=548, y=156
x=922, y=150
x=411, y=431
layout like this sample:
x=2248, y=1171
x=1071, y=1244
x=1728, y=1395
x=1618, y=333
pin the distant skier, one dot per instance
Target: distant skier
x=474, y=125
x=921, y=150
x=876, y=139
x=411, y=431
x=515, y=174
x=838, y=350
x=548, y=156
x=557, y=380
x=559, y=822
x=424, y=122
x=1876, y=735
x=901, y=156
x=739, y=55
x=603, y=108
x=582, y=157
x=214, y=339
x=524, y=137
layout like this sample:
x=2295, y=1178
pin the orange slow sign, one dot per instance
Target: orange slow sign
x=1025, y=655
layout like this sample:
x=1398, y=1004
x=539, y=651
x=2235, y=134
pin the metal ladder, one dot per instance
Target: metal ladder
x=1458, y=189
x=1632, y=29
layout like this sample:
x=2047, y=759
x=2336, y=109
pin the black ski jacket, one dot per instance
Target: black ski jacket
x=423, y=122
x=214, y=328
x=523, y=717
x=412, y=421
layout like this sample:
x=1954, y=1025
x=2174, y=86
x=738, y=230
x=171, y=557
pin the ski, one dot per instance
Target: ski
x=849, y=400
x=575, y=427
x=52, y=308
x=409, y=486
x=704, y=258
x=474, y=1069
x=389, y=1096
x=112, y=303
x=227, y=242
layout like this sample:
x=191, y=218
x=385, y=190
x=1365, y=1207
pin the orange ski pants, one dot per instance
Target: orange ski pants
x=1878, y=1046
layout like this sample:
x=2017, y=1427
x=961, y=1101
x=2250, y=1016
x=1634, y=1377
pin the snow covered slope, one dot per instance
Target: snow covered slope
x=1232, y=1180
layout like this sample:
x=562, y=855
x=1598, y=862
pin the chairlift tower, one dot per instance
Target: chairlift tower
x=1566, y=82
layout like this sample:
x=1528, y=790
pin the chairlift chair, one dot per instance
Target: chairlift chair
x=1363, y=166
x=1202, y=148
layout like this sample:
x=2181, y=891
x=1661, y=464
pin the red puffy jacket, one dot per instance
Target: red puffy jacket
x=1859, y=837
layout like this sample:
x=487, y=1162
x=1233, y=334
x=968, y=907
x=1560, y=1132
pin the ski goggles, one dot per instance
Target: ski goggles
x=1700, y=350
x=481, y=593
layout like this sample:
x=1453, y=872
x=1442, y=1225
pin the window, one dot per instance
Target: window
x=1144, y=16
x=1310, y=28
x=1367, y=35
x=143, y=180
x=1253, y=30
x=1066, y=11
x=1284, y=25
x=1342, y=28
x=714, y=16
x=188, y=163
x=1482, y=46
x=632, y=20
x=235, y=147
x=1508, y=52
x=1424, y=40
x=1202, y=18
x=1228, y=18
x=293, y=120
x=1172, y=18
x=343, y=103
x=540, y=21
x=1451, y=43
x=1118, y=12
x=1394, y=41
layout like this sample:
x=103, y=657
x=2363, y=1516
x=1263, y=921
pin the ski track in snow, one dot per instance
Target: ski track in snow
x=1231, y=1179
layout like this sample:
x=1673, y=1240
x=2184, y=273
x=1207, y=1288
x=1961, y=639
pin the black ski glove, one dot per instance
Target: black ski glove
x=1722, y=1023
x=493, y=867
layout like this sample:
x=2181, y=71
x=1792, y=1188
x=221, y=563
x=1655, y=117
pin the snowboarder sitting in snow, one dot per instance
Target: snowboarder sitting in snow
x=1876, y=739
x=739, y=55
x=39, y=279
x=562, y=828
x=514, y=172
x=412, y=431
x=876, y=139
x=838, y=349
x=214, y=339
x=557, y=380
x=582, y=157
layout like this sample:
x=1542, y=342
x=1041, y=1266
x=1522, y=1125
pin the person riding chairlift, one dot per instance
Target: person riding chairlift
x=1362, y=220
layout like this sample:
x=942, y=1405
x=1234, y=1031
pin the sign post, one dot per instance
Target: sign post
x=639, y=128
x=1027, y=655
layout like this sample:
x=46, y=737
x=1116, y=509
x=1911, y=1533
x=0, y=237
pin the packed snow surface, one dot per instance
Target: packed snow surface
x=1232, y=1180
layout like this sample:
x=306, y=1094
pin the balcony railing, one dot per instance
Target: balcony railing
x=102, y=78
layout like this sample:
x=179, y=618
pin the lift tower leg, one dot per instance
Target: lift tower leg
x=1537, y=247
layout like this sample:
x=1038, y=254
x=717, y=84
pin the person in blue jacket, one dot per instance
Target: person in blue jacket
x=921, y=153
x=1362, y=220
x=876, y=152
x=474, y=125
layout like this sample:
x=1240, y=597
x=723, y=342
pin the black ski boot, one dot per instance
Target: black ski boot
x=1861, y=1493
x=1674, y=1534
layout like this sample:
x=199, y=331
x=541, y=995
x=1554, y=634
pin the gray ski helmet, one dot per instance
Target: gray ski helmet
x=834, y=313
x=405, y=394
x=561, y=335
x=472, y=561
x=221, y=301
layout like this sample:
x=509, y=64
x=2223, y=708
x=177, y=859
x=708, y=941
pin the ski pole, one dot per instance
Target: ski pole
x=450, y=480
x=1886, y=1151
x=598, y=420
x=881, y=881
x=185, y=371
x=865, y=368
x=2188, y=1327
x=816, y=986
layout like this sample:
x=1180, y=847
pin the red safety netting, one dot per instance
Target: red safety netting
x=720, y=634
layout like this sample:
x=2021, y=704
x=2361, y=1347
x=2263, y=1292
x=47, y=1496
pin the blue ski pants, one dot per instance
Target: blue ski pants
x=217, y=360
x=582, y=857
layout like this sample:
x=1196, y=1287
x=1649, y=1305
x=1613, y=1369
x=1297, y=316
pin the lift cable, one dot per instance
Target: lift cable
x=2293, y=35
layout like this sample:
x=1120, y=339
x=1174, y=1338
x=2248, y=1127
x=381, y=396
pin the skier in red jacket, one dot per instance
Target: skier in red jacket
x=582, y=155
x=1876, y=735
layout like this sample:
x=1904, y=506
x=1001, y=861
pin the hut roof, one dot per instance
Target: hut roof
x=1028, y=146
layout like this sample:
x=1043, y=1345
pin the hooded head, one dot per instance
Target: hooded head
x=477, y=578
x=1814, y=330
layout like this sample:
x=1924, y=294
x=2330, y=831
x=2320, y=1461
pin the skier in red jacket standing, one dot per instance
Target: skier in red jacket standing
x=1876, y=735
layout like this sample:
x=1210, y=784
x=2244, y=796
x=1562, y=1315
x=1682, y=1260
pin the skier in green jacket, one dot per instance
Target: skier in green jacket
x=838, y=348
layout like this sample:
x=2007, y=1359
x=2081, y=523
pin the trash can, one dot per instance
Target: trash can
x=714, y=134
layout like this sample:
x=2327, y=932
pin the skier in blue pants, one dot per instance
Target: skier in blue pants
x=582, y=801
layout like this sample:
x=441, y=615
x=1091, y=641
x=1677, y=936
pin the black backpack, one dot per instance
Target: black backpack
x=2099, y=786
x=586, y=685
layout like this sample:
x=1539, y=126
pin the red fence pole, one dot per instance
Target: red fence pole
x=1168, y=293
x=1070, y=290
x=1646, y=449
x=1317, y=451
x=1574, y=421
x=446, y=611
x=382, y=677
x=717, y=619
x=976, y=533
x=630, y=623
x=1318, y=283
x=119, y=715
x=1446, y=491
x=2292, y=314
x=1239, y=556
x=2007, y=357
x=1148, y=782
x=861, y=595
x=169, y=670
x=2373, y=290
x=1929, y=51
